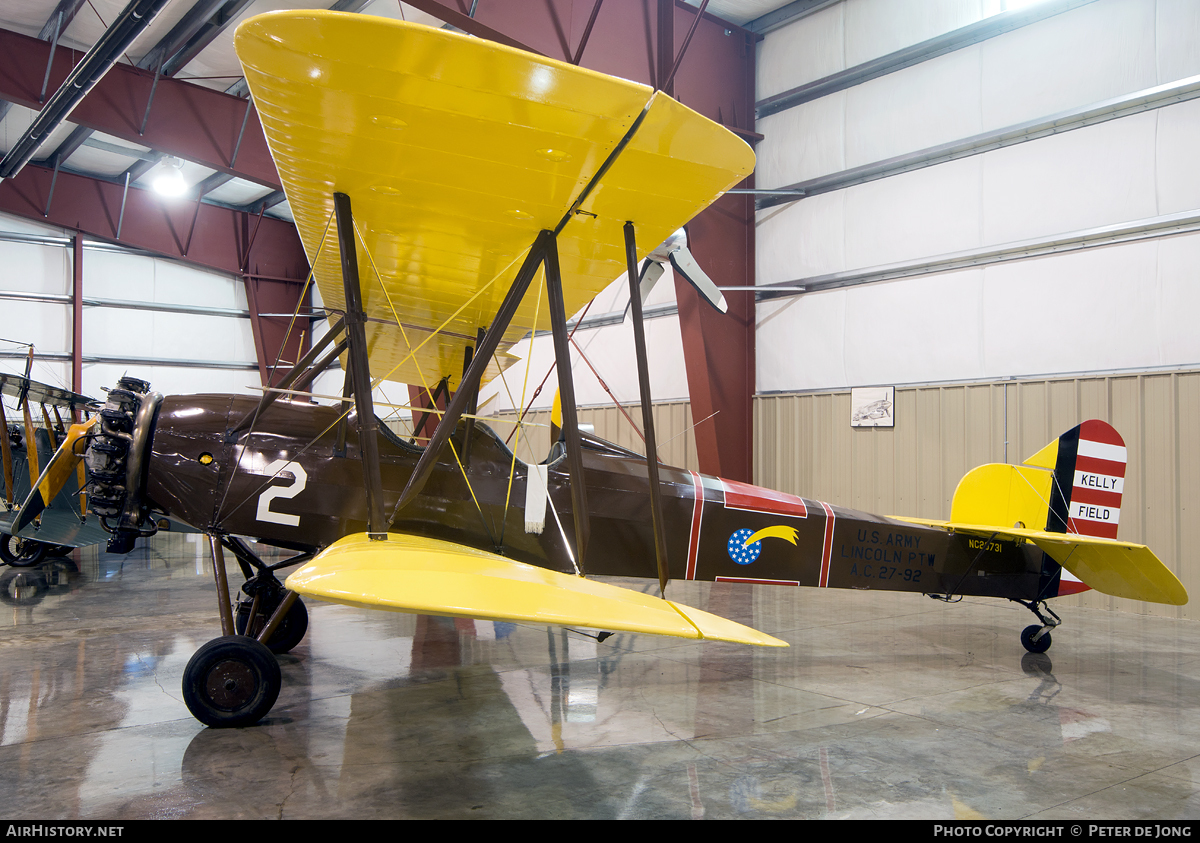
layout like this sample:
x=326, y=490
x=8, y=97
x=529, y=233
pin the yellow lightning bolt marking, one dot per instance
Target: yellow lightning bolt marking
x=780, y=532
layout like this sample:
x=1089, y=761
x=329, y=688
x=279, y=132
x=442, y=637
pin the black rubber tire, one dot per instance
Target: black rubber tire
x=231, y=681
x=1039, y=646
x=290, y=633
x=21, y=553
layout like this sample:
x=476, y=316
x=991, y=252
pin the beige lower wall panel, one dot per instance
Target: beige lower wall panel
x=1188, y=508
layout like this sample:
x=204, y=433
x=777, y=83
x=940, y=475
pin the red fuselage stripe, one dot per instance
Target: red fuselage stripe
x=697, y=516
x=753, y=499
x=827, y=546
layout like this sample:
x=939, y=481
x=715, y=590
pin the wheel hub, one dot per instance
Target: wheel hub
x=230, y=684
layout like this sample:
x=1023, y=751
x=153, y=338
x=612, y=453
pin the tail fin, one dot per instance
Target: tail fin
x=1081, y=493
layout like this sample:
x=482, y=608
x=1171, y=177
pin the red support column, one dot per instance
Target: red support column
x=719, y=347
x=275, y=347
x=77, y=313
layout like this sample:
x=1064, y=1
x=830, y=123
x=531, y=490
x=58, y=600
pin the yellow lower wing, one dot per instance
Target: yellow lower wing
x=431, y=577
x=1122, y=569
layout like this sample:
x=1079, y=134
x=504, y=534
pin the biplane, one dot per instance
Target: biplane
x=29, y=445
x=454, y=195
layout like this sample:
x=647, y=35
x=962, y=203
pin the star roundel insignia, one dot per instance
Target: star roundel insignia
x=739, y=552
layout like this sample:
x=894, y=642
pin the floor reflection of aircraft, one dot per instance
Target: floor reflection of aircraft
x=477, y=173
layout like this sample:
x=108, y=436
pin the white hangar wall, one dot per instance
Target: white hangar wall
x=30, y=266
x=132, y=319
x=995, y=358
x=1103, y=309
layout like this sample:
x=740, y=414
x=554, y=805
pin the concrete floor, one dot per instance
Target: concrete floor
x=886, y=705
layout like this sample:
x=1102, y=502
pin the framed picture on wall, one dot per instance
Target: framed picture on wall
x=872, y=406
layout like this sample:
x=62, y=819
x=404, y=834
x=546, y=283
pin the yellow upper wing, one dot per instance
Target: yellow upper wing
x=455, y=153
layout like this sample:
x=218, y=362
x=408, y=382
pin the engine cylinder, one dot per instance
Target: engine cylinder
x=116, y=460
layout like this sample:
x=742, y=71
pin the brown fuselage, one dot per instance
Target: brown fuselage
x=251, y=487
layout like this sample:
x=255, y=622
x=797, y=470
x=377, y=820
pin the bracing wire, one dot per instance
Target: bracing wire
x=421, y=375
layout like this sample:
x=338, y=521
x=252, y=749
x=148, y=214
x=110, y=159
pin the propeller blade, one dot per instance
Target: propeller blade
x=686, y=266
x=652, y=270
x=60, y=468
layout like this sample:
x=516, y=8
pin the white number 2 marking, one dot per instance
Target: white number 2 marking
x=299, y=481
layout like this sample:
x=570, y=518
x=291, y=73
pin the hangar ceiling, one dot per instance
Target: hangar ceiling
x=190, y=41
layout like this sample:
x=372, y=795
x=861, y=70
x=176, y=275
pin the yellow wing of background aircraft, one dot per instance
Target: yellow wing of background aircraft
x=35, y=420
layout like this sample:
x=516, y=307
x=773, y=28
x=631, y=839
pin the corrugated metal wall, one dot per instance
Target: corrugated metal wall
x=804, y=445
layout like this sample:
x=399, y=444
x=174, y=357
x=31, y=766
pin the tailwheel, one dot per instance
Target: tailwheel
x=1033, y=643
x=231, y=681
x=21, y=553
x=288, y=634
x=1036, y=638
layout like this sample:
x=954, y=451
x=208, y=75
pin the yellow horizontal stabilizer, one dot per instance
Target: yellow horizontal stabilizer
x=455, y=152
x=1122, y=569
x=431, y=577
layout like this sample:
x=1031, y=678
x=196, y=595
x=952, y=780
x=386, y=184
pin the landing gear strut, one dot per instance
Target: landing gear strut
x=234, y=680
x=1036, y=638
x=291, y=629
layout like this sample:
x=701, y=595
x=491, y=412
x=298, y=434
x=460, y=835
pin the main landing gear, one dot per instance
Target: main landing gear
x=21, y=553
x=234, y=680
x=231, y=681
x=25, y=553
x=1036, y=638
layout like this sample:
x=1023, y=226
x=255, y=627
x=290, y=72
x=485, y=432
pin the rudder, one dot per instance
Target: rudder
x=1089, y=463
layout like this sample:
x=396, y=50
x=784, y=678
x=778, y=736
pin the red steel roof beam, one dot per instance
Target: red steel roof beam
x=186, y=120
x=83, y=77
x=217, y=238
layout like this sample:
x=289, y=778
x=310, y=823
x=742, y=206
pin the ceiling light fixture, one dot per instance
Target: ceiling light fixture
x=169, y=181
